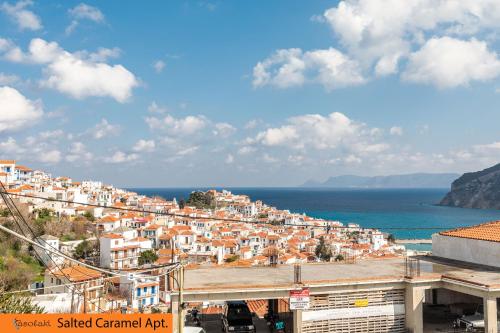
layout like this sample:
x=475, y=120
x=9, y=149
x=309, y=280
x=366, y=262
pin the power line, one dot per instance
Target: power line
x=11, y=206
x=223, y=219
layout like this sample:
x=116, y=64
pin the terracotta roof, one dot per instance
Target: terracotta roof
x=78, y=273
x=487, y=232
x=7, y=161
x=111, y=236
x=24, y=168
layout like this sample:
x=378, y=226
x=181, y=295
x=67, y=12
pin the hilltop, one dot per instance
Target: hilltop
x=479, y=189
x=414, y=180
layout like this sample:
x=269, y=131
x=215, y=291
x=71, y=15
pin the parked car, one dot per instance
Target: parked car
x=237, y=318
x=474, y=321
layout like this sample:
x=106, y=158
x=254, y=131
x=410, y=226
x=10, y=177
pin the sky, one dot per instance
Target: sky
x=249, y=93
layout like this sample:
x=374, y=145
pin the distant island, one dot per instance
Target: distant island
x=479, y=189
x=414, y=180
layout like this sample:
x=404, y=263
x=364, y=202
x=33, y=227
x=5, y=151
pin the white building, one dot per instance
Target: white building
x=478, y=244
x=117, y=253
x=143, y=290
x=85, y=286
x=49, y=243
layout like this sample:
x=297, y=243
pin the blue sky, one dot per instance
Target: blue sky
x=239, y=93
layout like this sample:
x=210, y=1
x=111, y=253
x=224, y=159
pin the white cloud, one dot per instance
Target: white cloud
x=78, y=153
x=293, y=67
x=24, y=18
x=121, y=157
x=177, y=126
x=245, y=150
x=11, y=147
x=433, y=40
x=155, y=108
x=21, y=112
x=84, y=11
x=50, y=156
x=251, y=124
x=377, y=30
x=51, y=135
x=144, y=146
x=80, y=74
x=187, y=151
x=229, y=159
x=312, y=130
x=447, y=62
x=8, y=79
x=224, y=130
x=396, y=130
x=158, y=66
x=102, y=55
x=104, y=129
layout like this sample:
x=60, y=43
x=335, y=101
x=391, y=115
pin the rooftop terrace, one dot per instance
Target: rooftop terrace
x=372, y=270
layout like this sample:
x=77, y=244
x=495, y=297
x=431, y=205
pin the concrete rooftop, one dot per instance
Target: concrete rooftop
x=216, y=278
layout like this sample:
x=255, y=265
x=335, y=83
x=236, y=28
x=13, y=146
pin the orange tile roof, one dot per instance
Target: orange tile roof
x=24, y=168
x=487, y=232
x=7, y=161
x=78, y=273
x=111, y=236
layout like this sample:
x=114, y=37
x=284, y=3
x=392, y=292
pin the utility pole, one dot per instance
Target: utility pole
x=180, y=310
x=85, y=298
x=72, y=300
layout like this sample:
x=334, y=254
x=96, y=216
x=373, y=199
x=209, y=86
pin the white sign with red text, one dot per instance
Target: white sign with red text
x=299, y=299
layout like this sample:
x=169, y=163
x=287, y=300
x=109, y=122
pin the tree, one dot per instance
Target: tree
x=232, y=258
x=89, y=216
x=200, y=200
x=323, y=252
x=391, y=238
x=85, y=249
x=182, y=204
x=147, y=257
x=339, y=257
x=12, y=303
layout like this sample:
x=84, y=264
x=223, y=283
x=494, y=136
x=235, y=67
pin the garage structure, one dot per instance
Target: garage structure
x=380, y=295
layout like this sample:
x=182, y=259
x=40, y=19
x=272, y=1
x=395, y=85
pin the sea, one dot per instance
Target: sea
x=413, y=210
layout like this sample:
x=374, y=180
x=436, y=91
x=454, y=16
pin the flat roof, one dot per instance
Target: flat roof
x=369, y=270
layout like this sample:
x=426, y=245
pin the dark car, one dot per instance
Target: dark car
x=237, y=318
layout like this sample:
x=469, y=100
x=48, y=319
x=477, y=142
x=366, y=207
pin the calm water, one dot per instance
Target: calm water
x=383, y=209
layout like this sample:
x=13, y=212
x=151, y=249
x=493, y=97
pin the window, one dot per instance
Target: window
x=51, y=280
x=153, y=290
x=143, y=301
x=145, y=289
x=152, y=300
x=58, y=281
x=138, y=292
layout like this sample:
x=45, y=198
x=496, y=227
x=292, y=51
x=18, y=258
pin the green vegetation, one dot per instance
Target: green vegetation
x=86, y=249
x=19, y=265
x=339, y=257
x=232, y=258
x=201, y=200
x=323, y=252
x=89, y=216
x=11, y=303
x=147, y=257
x=391, y=238
x=4, y=212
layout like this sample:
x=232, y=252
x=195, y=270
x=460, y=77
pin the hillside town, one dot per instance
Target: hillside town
x=132, y=231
